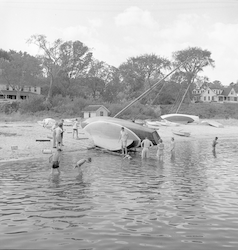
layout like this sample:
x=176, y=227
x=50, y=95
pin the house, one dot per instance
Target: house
x=10, y=93
x=215, y=94
x=95, y=110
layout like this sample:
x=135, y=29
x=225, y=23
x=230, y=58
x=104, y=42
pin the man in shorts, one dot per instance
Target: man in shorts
x=123, y=138
x=55, y=160
x=146, y=144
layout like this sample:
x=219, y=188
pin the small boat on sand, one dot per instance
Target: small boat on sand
x=182, y=133
x=180, y=118
x=213, y=123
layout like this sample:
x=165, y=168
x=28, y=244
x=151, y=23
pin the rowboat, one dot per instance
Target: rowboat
x=182, y=133
x=140, y=131
x=152, y=125
x=105, y=134
x=213, y=123
x=180, y=118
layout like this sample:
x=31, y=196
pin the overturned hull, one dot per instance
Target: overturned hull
x=139, y=130
x=180, y=118
x=106, y=135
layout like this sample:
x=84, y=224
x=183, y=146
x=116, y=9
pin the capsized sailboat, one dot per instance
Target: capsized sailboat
x=99, y=127
x=105, y=134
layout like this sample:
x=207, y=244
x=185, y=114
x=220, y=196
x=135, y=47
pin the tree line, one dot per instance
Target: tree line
x=69, y=69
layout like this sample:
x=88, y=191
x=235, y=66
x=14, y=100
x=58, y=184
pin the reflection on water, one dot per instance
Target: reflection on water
x=188, y=201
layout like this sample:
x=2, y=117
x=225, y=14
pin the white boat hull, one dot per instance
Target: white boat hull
x=106, y=135
x=182, y=133
x=180, y=118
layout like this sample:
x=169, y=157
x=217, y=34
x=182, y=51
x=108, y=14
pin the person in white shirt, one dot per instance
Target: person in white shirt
x=75, y=128
x=58, y=136
x=54, y=134
x=123, y=138
x=146, y=144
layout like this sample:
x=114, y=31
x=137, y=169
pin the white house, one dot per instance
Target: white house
x=95, y=110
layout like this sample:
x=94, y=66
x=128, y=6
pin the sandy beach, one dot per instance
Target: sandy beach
x=28, y=140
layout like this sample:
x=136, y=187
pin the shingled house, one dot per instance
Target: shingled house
x=211, y=94
x=95, y=110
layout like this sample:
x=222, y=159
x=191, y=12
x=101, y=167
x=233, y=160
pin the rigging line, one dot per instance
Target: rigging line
x=151, y=88
x=183, y=98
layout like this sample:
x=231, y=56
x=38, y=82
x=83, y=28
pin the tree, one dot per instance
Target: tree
x=192, y=61
x=140, y=73
x=21, y=70
x=62, y=59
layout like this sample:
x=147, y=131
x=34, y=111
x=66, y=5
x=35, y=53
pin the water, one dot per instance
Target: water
x=190, y=202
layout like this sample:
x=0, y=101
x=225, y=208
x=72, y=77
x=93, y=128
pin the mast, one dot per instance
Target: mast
x=149, y=90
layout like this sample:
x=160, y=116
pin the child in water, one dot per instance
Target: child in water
x=55, y=160
x=81, y=162
x=160, y=151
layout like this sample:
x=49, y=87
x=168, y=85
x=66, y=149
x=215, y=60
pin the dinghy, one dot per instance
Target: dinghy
x=180, y=118
x=182, y=133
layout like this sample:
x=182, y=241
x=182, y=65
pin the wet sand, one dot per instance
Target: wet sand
x=18, y=140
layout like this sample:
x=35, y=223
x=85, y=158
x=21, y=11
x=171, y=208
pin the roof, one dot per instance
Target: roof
x=226, y=91
x=94, y=108
x=14, y=92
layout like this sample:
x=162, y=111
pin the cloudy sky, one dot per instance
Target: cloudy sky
x=118, y=29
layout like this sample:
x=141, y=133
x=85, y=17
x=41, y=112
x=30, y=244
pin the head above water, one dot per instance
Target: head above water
x=89, y=159
x=122, y=128
x=216, y=138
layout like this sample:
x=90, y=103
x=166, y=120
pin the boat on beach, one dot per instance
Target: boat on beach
x=182, y=133
x=213, y=123
x=105, y=134
x=140, y=131
x=180, y=118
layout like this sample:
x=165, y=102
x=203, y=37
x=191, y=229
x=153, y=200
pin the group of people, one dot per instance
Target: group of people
x=58, y=132
x=146, y=144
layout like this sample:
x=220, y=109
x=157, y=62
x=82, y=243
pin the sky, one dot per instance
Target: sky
x=116, y=30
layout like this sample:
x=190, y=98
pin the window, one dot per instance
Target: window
x=35, y=89
x=208, y=92
x=101, y=113
x=208, y=98
x=204, y=98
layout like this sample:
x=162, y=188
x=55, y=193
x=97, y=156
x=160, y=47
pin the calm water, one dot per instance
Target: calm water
x=190, y=202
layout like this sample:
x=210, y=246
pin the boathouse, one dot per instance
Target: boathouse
x=95, y=110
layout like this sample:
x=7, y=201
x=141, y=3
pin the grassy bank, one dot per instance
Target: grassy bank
x=137, y=111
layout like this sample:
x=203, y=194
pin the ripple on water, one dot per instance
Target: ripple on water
x=189, y=202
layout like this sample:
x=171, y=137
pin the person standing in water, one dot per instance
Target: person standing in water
x=214, y=143
x=146, y=144
x=123, y=138
x=172, y=147
x=160, y=150
x=55, y=160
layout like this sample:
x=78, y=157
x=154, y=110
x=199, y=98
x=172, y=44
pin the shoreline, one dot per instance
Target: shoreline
x=18, y=139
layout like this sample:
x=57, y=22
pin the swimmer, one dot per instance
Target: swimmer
x=127, y=157
x=81, y=162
